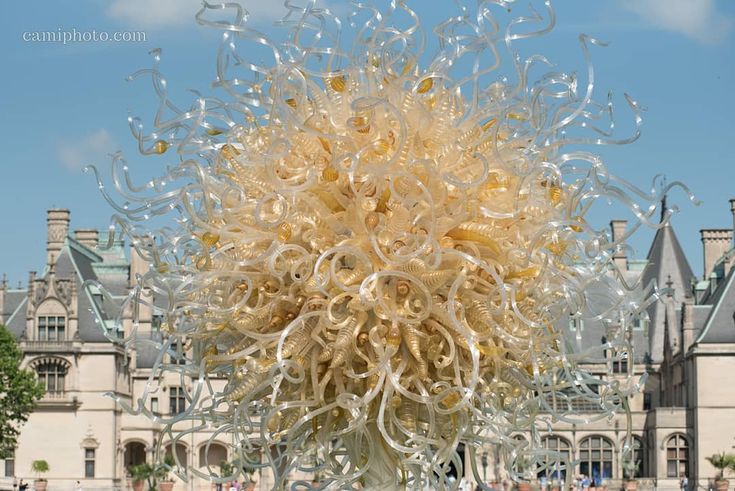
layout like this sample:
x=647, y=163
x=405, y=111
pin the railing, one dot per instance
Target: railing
x=47, y=346
x=55, y=395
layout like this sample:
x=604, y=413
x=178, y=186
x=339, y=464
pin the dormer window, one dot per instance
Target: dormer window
x=51, y=328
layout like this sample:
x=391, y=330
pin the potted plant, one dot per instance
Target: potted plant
x=166, y=482
x=40, y=467
x=139, y=474
x=630, y=469
x=721, y=461
x=225, y=470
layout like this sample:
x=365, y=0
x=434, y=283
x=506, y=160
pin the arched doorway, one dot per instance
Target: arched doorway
x=135, y=454
x=181, y=454
x=212, y=455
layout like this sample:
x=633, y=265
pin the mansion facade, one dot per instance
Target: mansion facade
x=685, y=412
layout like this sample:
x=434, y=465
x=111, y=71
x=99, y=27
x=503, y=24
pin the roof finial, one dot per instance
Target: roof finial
x=663, y=199
x=669, y=286
x=663, y=208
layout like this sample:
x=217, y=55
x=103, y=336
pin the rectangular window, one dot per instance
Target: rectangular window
x=646, y=401
x=621, y=365
x=51, y=328
x=639, y=324
x=10, y=466
x=177, y=355
x=154, y=405
x=177, y=401
x=88, y=462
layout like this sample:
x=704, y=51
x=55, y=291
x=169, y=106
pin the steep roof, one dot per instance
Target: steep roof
x=14, y=311
x=720, y=324
x=667, y=265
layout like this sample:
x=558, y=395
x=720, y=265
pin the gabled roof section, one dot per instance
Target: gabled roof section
x=76, y=260
x=14, y=315
x=667, y=265
x=720, y=324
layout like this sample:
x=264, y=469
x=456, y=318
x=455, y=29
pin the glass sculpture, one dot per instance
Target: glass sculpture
x=362, y=250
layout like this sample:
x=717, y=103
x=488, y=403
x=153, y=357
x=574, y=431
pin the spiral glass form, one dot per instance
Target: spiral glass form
x=370, y=250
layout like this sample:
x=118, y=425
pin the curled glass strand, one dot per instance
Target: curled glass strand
x=371, y=252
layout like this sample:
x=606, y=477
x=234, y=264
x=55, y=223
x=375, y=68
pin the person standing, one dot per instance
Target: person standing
x=684, y=483
x=78, y=486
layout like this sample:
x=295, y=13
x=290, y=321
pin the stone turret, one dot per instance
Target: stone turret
x=715, y=242
x=618, y=231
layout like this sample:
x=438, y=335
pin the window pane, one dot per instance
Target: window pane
x=89, y=453
x=89, y=468
x=671, y=454
x=42, y=333
x=61, y=335
x=671, y=468
x=61, y=321
x=51, y=333
x=51, y=384
x=9, y=467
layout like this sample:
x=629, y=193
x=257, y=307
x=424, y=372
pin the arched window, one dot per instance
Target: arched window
x=52, y=375
x=636, y=457
x=212, y=455
x=677, y=457
x=556, y=464
x=596, y=457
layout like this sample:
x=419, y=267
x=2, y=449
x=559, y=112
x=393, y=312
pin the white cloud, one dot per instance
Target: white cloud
x=697, y=19
x=93, y=148
x=160, y=14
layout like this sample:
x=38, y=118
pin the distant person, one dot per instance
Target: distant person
x=78, y=486
x=585, y=483
x=15, y=483
x=232, y=486
x=684, y=483
x=23, y=486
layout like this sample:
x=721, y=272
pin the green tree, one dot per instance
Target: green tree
x=19, y=391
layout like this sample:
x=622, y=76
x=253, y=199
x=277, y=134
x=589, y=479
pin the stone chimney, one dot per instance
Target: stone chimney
x=618, y=231
x=732, y=210
x=688, y=334
x=715, y=242
x=89, y=237
x=58, y=229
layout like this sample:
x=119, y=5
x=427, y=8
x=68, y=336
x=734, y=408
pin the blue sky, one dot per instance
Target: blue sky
x=65, y=106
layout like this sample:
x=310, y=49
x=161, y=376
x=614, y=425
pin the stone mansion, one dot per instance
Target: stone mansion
x=685, y=412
